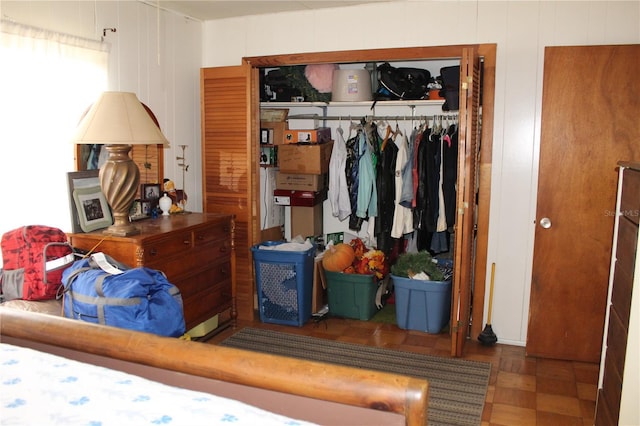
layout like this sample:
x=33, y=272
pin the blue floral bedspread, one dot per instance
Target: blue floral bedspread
x=38, y=388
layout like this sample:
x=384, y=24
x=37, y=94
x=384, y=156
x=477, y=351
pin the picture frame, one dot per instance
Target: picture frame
x=150, y=191
x=147, y=207
x=88, y=205
x=137, y=211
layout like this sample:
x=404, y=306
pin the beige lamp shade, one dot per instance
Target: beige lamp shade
x=118, y=118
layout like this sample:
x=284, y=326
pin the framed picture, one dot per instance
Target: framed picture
x=135, y=213
x=89, y=208
x=150, y=191
x=147, y=206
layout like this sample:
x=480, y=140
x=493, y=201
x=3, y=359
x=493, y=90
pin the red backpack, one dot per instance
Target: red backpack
x=33, y=260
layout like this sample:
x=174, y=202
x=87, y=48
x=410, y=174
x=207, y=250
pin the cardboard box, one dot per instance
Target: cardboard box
x=319, y=135
x=300, y=182
x=303, y=121
x=272, y=234
x=305, y=159
x=287, y=197
x=272, y=132
x=306, y=221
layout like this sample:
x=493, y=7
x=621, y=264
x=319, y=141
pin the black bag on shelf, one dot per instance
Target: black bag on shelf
x=402, y=83
x=277, y=87
x=450, y=88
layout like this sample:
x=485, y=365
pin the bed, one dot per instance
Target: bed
x=302, y=391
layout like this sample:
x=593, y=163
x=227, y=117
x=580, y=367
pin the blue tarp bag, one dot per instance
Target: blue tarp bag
x=112, y=294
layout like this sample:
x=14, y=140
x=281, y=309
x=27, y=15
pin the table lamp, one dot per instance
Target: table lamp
x=118, y=120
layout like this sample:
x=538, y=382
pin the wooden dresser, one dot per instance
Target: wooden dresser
x=195, y=251
x=619, y=381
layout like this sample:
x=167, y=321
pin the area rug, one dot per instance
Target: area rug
x=457, y=388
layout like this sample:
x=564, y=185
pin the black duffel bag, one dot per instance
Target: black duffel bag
x=450, y=87
x=402, y=83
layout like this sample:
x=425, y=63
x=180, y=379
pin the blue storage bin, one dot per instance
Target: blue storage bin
x=422, y=305
x=284, y=281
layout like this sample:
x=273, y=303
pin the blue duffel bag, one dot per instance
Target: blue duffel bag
x=139, y=299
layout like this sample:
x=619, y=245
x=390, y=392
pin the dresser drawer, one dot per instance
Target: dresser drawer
x=612, y=388
x=624, y=268
x=206, y=279
x=630, y=199
x=213, y=296
x=160, y=249
x=190, y=262
x=603, y=413
x=213, y=232
x=616, y=342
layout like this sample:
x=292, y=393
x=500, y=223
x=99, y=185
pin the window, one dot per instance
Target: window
x=47, y=81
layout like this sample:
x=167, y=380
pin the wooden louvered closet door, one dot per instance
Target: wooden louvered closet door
x=227, y=164
x=466, y=198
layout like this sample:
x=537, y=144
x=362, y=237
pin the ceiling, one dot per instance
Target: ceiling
x=205, y=10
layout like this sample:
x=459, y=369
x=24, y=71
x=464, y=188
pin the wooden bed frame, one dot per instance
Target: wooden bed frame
x=311, y=391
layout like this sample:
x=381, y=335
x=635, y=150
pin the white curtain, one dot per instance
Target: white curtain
x=47, y=80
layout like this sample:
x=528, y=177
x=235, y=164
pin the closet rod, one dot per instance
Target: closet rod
x=390, y=117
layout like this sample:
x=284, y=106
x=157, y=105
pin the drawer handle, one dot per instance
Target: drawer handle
x=186, y=242
x=226, y=228
x=153, y=252
x=224, y=271
x=200, y=237
x=223, y=249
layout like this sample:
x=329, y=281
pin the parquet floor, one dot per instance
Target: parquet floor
x=522, y=390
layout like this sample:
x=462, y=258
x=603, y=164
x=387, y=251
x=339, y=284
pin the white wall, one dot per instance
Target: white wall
x=154, y=53
x=521, y=30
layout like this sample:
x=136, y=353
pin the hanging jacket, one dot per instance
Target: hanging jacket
x=338, y=193
x=402, y=215
x=407, y=193
x=386, y=188
x=414, y=169
x=351, y=174
x=367, y=200
x=450, y=173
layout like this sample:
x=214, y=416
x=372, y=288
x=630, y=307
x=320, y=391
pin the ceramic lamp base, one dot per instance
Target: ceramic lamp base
x=119, y=180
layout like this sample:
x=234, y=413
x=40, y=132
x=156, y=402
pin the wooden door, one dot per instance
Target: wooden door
x=228, y=167
x=590, y=120
x=468, y=156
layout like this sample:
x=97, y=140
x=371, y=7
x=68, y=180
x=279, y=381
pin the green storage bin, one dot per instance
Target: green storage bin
x=351, y=295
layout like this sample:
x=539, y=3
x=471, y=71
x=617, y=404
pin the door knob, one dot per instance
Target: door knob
x=545, y=222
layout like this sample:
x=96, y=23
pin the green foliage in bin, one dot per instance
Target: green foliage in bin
x=296, y=76
x=416, y=263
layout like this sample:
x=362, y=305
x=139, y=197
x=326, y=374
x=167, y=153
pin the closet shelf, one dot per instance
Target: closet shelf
x=350, y=104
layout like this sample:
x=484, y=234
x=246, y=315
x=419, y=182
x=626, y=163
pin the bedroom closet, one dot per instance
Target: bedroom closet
x=231, y=157
x=419, y=139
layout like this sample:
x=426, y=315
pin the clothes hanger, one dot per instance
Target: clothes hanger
x=386, y=137
x=352, y=126
x=397, y=132
x=339, y=129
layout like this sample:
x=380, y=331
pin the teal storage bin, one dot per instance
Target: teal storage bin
x=422, y=305
x=351, y=295
x=284, y=281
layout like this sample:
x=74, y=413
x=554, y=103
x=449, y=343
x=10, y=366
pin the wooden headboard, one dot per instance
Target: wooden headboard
x=312, y=391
